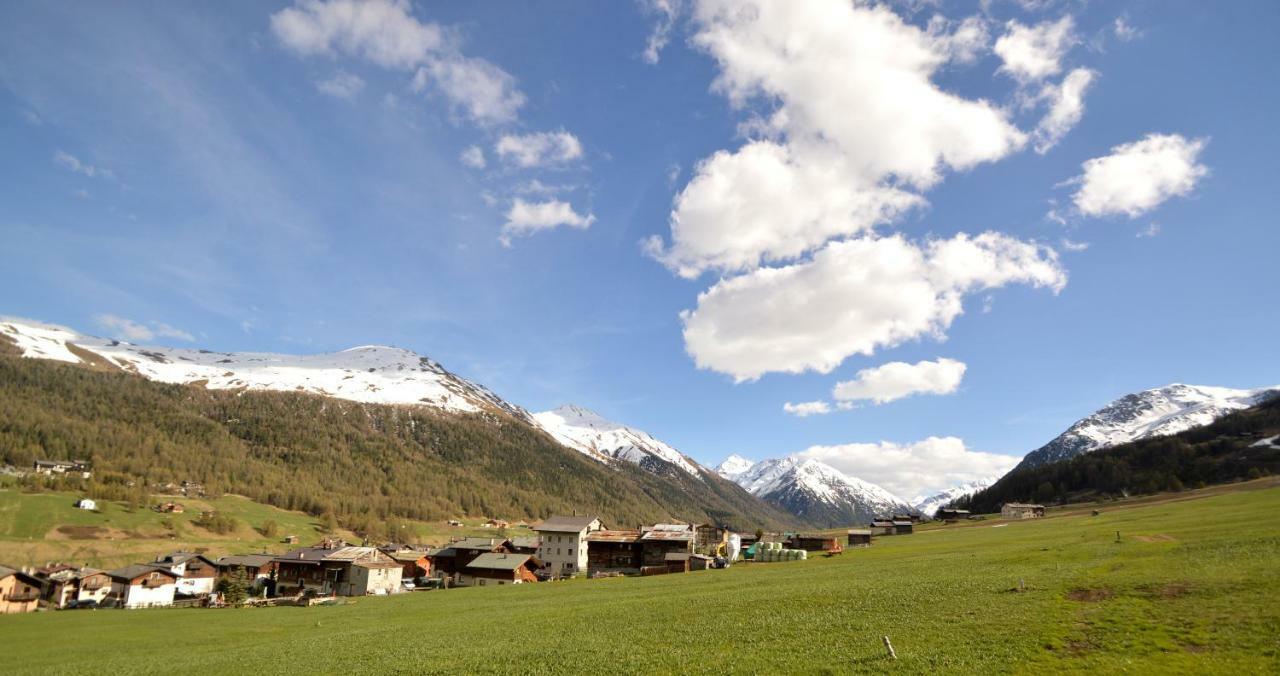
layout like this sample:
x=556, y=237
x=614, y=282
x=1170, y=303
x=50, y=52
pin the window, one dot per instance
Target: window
x=571, y=551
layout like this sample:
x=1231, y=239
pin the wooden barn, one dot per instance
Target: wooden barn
x=1018, y=510
x=903, y=527
x=859, y=537
x=816, y=543
x=951, y=514
x=614, y=552
x=882, y=527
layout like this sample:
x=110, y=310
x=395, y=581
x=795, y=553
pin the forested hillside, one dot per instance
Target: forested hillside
x=1242, y=445
x=363, y=463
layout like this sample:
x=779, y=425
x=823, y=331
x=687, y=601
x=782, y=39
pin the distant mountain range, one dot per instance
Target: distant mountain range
x=813, y=490
x=929, y=505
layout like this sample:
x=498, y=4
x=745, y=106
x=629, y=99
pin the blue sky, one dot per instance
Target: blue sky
x=289, y=177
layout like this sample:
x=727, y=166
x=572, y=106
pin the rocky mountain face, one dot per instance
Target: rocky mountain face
x=1157, y=412
x=812, y=490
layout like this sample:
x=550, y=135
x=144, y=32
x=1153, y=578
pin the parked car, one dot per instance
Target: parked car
x=87, y=604
x=408, y=585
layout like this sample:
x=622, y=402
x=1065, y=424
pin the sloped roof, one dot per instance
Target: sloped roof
x=566, y=524
x=674, y=532
x=526, y=541
x=246, y=560
x=621, y=536
x=499, y=561
x=138, y=569
x=478, y=543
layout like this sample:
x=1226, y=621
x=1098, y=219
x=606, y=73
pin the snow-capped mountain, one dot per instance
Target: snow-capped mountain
x=605, y=440
x=813, y=490
x=929, y=504
x=371, y=374
x=1156, y=412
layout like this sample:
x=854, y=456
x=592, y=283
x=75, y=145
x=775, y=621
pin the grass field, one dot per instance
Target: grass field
x=1191, y=586
x=36, y=528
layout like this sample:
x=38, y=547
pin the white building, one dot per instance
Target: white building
x=86, y=503
x=563, y=550
x=197, y=575
x=143, y=586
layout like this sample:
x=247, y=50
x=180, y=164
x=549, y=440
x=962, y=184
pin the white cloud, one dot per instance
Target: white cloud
x=129, y=330
x=385, y=32
x=962, y=41
x=1151, y=230
x=666, y=12
x=473, y=156
x=857, y=123
x=926, y=466
x=72, y=163
x=526, y=218
x=853, y=297
x=1123, y=31
x=896, y=380
x=1066, y=107
x=539, y=148
x=1070, y=245
x=1137, y=177
x=1033, y=53
x=807, y=408
x=342, y=85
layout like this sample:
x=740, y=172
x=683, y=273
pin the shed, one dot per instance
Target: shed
x=952, y=514
x=859, y=537
x=902, y=527
x=882, y=527
x=816, y=543
x=1019, y=510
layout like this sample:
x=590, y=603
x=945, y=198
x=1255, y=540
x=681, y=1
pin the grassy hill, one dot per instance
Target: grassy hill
x=366, y=464
x=1189, y=587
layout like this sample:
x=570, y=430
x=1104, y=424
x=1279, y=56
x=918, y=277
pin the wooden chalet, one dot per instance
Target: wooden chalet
x=65, y=585
x=525, y=544
x=414, y=563
x=881, y=527
x=500, y=568
x=951, y=514
x=259, y=568
x=342, y=571
x=859, y=537
x=196, y=573
x=903, y=527
x=613, y=552
x=665, y=548
x=816, y=543
x=143, y=586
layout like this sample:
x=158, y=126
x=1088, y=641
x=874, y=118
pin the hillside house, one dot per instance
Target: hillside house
x=666, y=547
x=143, y=586
x=500, y=568
x=1018, y=510
x=563, y=548
x=196, y=574
x=19, y=591
x=341, y=571
x=86, y=504
x=613, y=552
x=903, y=527
x=65, y=584
x=859, y=537
x=259, y=568
x=881, y=527
x=78, y=468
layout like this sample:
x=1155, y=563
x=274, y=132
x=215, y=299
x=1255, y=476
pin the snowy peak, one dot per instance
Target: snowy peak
x=371, y=373
x=733, y=466
x=929, y=504
x=1155, y=412
x=594, y=435
x=814, y=490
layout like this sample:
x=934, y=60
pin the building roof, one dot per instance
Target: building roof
x=902, y=522
x=619, y=536
x=880, y=523
x=246, y=560
x=181, y=557
x=488, y=544
x=354, y=554
x=1022, y=504
x=859, y=531
x=138, y=570
x=528, y=541
x=566, y=524
x=499, y=561
x=675, y=532
x=377, y=564
x=407, y=555
x=441, y=552
x=305, y=555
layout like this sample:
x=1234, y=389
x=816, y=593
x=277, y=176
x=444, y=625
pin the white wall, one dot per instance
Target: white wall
x=138, y=596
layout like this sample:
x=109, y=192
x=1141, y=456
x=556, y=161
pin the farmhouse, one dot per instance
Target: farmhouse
x=143, y=586
x=612, y=552
x=64, y=585
x=68, y=467
x=500, y=568
x=19, y=591
x=341, y=571
x=665, y=547
x=902, y=527
x=257, y=567
x=86, y=504
x=859, y=537
x=1018, y=510
x=196, y=574
x=563, y=550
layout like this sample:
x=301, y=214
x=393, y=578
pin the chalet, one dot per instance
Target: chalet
x=903, y=527
x=859, y=537
x=951, y=514
x=79, y=468
x=816, y=543
x=613, y=552
x=525, y=544
x=882, y=527
x=563, y=550
x=500, y=568
x=666, y=547
x=467, y=550
x=64, y=585
x=143, y=586
x=258, y=568
x=86, y=504
x=414, y=563
x=196, y=573
x=341, y=571
x=442, y=561
x=1018, y=510
x=19, y=591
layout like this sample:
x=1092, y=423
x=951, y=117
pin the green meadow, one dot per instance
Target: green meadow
x=1187, y=583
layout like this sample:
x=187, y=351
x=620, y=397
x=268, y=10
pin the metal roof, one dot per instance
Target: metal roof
x=478, y=543
x=621, y=536
x=566, y=524
x=527, y=541
x=668, y=536
x=499, y=561
x=246, y=560
x=859, y=531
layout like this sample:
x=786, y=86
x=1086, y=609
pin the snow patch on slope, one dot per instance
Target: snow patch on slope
x=605, y=440
x=929, y=504
x=795, y=483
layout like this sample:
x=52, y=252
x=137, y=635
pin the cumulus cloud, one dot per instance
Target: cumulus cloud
x=854, y=297
x=539, y=149
x=526, y=218
x=896, y=380
x=1066, y=107
x=1137, y=177
x=473, y=156
x=962, y=41
x=342, y=85
x=923, y=467
x=1032, y=53
x=807, y=408
x=129, y=330
x=385, y=32
x=666, y=12
x=72, y=163
x=856, y=125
